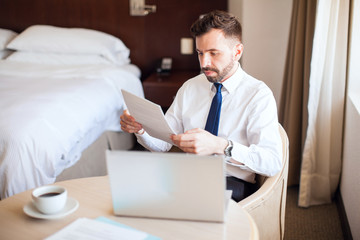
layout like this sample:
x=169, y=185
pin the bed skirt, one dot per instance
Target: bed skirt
x=92, y=162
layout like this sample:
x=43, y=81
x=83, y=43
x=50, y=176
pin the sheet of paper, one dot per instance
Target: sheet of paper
x=109, y=221
x=85, y=228
x=150, y=115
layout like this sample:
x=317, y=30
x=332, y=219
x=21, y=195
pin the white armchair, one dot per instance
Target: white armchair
x=267, y=204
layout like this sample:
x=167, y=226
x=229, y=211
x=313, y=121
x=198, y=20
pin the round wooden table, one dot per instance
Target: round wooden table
x=94, y=197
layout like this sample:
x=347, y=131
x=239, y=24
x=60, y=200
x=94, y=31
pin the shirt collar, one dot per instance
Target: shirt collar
x=233, y=82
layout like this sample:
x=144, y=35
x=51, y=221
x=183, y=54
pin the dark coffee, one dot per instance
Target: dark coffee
x=50, y=194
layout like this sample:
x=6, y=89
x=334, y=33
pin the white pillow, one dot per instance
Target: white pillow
x=57, y=58
x=50, y=39
x=5, y=37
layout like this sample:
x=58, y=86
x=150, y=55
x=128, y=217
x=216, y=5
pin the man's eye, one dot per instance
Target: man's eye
x=200, y=53
x=213, y=53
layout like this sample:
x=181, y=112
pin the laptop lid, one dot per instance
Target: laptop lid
x=167, y=185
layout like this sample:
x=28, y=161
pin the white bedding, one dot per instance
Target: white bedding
x=50, y=114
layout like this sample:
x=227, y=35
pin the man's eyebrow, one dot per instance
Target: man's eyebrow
x=208, y=50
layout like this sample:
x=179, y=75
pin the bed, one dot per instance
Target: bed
x=60, y=104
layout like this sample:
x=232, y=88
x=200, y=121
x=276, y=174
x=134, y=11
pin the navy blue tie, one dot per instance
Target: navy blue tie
x=212, y=123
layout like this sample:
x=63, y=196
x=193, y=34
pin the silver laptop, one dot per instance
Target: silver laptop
x=167, y=185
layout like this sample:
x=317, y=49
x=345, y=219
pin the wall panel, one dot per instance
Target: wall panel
x=149, y=38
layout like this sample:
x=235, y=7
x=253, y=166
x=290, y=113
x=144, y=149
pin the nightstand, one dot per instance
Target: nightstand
x=161, y=89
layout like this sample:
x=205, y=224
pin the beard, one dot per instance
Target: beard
x=220, y=74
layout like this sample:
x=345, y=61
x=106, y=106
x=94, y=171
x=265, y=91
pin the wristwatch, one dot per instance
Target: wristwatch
x=227, y=150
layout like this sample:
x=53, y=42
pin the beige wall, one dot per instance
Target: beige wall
x=266, y=27
x=350, y=178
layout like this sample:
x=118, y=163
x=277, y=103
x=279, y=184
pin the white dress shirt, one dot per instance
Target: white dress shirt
x=248, y=118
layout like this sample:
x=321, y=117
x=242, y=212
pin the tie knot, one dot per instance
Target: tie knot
x=218, y=87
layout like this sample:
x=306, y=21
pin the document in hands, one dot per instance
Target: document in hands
x=149, y=115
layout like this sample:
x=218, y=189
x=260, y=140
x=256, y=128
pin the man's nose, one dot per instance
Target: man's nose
x=205, y=61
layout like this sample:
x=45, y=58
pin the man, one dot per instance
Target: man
x=246, y=130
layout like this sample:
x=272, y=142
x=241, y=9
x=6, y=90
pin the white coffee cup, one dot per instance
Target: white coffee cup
x=49, y=199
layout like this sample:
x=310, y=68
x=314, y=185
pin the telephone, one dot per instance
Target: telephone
x=164, y=66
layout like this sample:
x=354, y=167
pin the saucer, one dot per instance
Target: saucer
x=70, y=207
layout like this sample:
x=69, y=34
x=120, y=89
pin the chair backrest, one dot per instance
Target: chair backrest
x=267, y=204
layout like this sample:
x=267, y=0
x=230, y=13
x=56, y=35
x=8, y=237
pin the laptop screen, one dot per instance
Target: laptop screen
x=167, y=185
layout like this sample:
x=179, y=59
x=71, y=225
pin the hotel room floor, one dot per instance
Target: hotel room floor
x=316, y=222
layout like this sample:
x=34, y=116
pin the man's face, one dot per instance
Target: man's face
x=218, y=56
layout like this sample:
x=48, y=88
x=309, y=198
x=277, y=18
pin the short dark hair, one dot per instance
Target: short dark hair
x=217, y=19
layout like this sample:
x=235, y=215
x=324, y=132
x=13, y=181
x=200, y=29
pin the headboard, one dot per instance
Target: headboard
x=149, y=38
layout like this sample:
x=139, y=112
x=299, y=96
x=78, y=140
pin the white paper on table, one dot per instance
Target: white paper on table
x=85, y=228
x=149, y=115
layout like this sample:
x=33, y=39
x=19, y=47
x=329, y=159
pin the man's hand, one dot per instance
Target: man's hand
x=128, y=123
x=200, y=142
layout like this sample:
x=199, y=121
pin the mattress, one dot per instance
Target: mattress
x=50, y=114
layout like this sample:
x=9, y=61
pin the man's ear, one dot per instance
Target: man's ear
x=239, y=48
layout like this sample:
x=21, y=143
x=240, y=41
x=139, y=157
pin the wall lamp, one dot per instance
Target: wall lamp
x=139, y=8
